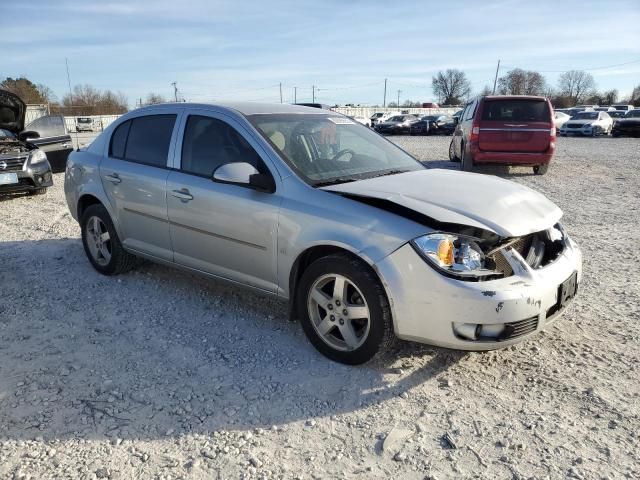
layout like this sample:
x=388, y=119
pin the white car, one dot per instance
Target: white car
x=588, y=123
x=559, y=119
x=380, y=117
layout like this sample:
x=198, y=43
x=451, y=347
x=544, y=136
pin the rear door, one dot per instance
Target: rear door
x=54, y=140
x=134, y=175
x=515, y=125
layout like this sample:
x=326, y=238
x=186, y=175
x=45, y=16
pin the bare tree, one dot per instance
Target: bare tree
x=87, y=100
x=635, y=96
x=522, y=82
x=576, y=85
x=155, y=98
x=487, y=90
x=451, y=87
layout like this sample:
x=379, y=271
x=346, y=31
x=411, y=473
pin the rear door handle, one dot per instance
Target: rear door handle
x=182, y=194
x=113, y=178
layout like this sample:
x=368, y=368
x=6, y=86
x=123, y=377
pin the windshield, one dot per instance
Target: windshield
x=616, y=114
x=326, y=149
x=84, y=120
x=633, y=113
x=431, y=117
x=585, y=115
x=6, y=134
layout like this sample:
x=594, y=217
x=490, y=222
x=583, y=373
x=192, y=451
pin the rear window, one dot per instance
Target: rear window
x=516, y=110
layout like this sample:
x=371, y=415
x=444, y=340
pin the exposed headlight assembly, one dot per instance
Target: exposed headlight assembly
x=37, y=157
x=456, y=256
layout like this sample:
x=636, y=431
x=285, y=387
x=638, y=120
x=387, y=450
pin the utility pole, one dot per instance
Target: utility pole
x=384, y=101
x=280, y=92
x=313, y=93
x=399, y=92
x=175, y=90
x=295, y=94
x=495, y=80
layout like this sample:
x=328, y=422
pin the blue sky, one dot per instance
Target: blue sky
x=242, y=50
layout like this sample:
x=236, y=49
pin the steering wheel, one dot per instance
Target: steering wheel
x=342, y=153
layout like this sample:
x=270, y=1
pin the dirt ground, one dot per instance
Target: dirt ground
x=163, y=375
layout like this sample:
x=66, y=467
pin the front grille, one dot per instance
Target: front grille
x=574, y=125
x=12, y=163
x=520, y=328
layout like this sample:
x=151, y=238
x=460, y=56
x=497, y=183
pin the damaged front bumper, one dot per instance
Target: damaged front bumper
x=431, y=308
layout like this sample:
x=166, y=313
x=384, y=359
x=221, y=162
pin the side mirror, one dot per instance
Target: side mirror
x=28, y=134
x=244, y=174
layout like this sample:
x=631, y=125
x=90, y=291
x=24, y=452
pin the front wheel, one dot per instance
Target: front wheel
x=343, y=309
x=38, y=191
x=101, y=242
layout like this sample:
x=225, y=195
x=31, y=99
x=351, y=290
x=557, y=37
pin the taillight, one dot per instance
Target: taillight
x=475, y=133
x=553, y=132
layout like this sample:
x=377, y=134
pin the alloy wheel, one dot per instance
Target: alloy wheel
x=99, y=241
x=338, y=312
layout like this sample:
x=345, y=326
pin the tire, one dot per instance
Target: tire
x=118, y=259
x=466, y=162
x=452, y=153
x=541, y=169
x=38, y=191
x=320, y=309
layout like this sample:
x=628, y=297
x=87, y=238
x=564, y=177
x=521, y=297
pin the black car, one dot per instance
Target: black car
x=396, y=125
x=628, y=126
x=25, y=154
x=433, y=125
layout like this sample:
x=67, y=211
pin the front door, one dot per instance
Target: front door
x=53, y=140
x=223, y=229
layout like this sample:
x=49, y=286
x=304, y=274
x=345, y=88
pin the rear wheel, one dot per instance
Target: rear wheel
x=452, y=153
x=343, y=309
x=541, y=169
x=101, y=242
x=466, y=162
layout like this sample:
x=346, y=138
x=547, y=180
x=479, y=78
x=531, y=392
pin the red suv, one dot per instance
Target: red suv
x=511, y=130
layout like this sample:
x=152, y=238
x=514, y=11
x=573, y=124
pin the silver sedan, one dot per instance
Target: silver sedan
x=309, y=206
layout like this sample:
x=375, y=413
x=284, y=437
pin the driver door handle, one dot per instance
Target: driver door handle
x=182, y=194
x=113, y=178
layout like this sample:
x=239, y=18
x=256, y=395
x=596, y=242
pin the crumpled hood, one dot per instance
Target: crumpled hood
x=491, y=203
x=12, y=112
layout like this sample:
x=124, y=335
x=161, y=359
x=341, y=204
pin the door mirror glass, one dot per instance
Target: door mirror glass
x=235, y=172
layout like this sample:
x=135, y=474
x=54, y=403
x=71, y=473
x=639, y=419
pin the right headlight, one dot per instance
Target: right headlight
x=455, y=255
x=36, y=157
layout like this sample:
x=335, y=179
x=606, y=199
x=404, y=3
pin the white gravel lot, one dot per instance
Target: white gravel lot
x=162, y=374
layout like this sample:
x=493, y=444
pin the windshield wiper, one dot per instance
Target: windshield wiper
x=390, y=172
x=335, y=181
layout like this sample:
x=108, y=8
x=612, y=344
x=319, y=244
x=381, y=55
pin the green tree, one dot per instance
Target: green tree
x=28, y=91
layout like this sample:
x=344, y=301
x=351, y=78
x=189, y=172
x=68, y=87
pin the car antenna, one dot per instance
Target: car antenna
x=66, y=61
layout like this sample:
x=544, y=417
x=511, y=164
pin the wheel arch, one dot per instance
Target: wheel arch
x=315, y=252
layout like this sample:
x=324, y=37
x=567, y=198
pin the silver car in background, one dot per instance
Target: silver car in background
x=309, y=206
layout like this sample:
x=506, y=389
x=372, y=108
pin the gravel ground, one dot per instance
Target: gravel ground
x=162, y=374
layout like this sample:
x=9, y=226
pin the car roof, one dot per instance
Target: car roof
x=247, y=108
x=513, y=97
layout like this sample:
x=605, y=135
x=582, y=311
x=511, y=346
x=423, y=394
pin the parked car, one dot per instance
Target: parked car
x=559, y=119
x=588, y=123
x=604, y=108
x=380, y=117
x=629, y=126
x=396, y=125
x=617, y=114
x=624, y=108
x=433, y=125
x=84, y=124
x=310, y=207
x=49, y=133
x=23, y=166
x=502, y=129
x=364, y=121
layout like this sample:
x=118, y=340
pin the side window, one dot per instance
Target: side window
x=48, y=126
x=119, y=140
x=470, y=111
x=209, y=143
x=149, y=138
